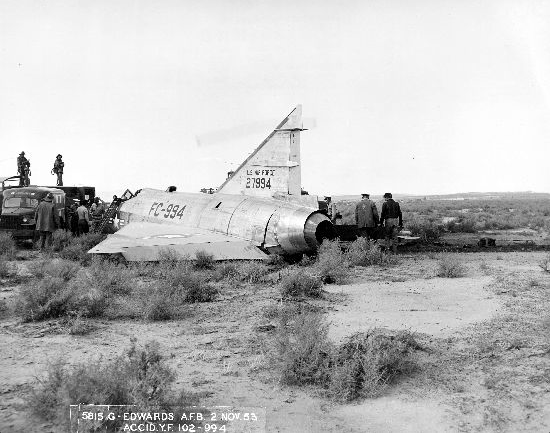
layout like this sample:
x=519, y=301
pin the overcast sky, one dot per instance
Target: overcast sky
x=407, y=96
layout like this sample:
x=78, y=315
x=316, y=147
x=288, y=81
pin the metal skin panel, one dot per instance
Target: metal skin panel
x=262, y=222
x=274, y=167
x=250, y=220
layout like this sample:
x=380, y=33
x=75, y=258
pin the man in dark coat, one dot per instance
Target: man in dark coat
x=393, y=219
x=58, y=169
x=366, y=217
x=47, y=220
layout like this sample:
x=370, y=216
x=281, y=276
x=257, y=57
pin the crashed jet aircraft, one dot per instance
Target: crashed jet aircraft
x=258, y=210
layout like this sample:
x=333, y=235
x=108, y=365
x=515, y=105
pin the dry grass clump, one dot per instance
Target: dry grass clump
x=53, y=297
x=61, y=239
x=78, y=247
x=331, y=263
x=139, y=377
x=204, y=260
x=6, y=270
x=8, y=248
x=110, y=278
x=63, y=269
x=450, y=267
x=304, y=350
x=367, y=362
x=299, y=282
x=362, y=252
x=360, y=367
x=429, y=230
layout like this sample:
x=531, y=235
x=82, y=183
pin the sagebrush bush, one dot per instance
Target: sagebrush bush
x=61, y=239
x=8, y=248
x=450, y=267
x=204, y=260
x=139, y=377
x=252, y=271
x=303, y=349
x=299, y=282
x=64, y=269
x=52, y=297
x=359, y=367
x=362, y=252
x=5, y=268
x=78, y=247
x=276, y=262
x=226, y=271
x=427, y=229
x=331, y=264
x=366, y=362
x=111, y=278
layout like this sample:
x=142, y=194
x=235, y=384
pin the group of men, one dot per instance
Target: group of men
x=82, y=217
x=24, y=169
x=368, y=221
x=78, y=216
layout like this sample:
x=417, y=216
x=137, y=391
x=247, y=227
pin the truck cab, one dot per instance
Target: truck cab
x=19, y=207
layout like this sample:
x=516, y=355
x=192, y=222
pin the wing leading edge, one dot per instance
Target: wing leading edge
x=144, y=241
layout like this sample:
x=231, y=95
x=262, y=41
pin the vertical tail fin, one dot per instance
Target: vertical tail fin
x=274, y=167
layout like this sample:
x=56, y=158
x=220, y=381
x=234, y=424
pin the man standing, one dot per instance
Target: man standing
x=58, y=169
x=391, y=215
x=83, y=218
x=366, y=217
x=47, y=220
x=23, y=169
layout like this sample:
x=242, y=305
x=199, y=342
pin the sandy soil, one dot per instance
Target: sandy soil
x=213, y=351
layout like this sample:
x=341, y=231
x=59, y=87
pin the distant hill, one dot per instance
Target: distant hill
x=456, y=196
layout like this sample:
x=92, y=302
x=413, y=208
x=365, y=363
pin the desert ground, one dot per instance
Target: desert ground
x=482, y=364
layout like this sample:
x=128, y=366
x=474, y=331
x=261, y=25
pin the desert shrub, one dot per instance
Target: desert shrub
x=61, y=239
x=427, y=230
x=364, y=253
x=303, y=349
x=111, y=278
x=276, y=262
x=202, y=292
x=300, y=282
x=252, y=271
x=53, y=297
x=450, y=267
x=226, y=271
x=5, y=268
x=8, y=248
x=139, y=377
x=364, y=364
x=159, y=308
x=331, y=264
x=204, y=260
x=64, y=269
x=78, y=247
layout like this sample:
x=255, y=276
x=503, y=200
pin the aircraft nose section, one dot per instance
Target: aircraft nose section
x=317, y=228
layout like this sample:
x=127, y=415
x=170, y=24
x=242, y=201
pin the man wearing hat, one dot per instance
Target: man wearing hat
x=393, y=219
x=58, y=169
x=366, y=216
x=47, y=220
x=23, y=169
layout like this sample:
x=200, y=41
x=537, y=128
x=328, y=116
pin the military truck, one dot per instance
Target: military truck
x=19, y=207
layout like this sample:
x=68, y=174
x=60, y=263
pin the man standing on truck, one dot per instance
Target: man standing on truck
x=23, y=169
x=58, y=169
x=391, y=215
x=47, y=220
x=366, y=216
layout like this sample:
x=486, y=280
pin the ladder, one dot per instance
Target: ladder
x=112, y=210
